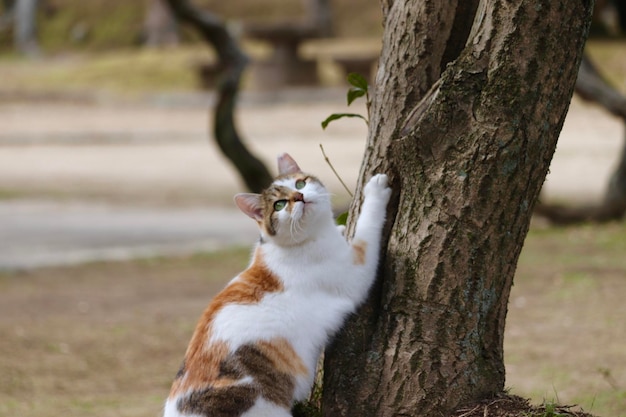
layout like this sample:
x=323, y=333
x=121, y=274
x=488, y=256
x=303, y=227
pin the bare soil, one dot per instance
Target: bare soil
x=105, y=339
x=506, y=405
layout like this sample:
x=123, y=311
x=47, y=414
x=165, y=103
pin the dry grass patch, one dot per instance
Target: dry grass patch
x=101, y=339
x=106, y=339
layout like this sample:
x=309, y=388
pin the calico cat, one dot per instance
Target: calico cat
x=255, y=348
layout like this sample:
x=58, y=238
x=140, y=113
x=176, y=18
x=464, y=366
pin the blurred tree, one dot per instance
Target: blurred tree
x=6, y=17
x=466, y=132
x=231, y=64
x=25, y=37
x=621, y=11
x=591, y=86
x=160, y=28
x=320, y=15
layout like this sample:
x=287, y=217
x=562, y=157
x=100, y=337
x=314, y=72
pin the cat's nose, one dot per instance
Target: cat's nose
x=298, y=197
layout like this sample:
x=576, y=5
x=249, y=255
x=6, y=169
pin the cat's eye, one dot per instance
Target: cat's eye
x=300, y=184
x=280, y=204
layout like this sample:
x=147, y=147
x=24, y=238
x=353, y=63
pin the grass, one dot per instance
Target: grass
x=564, y=329
x=121, y=72
x=141, y=71
x=551, y=409
x=109, y=24
x=137, y=71
x=106, y=338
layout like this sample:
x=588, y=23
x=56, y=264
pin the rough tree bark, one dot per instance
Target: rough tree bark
x=466, y=133
x=232, y=62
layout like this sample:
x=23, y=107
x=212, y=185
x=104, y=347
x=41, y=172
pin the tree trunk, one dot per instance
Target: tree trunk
x=592, y=86
x=232, y=62
x=25, y=39
x=6, y=15
x=160, y=27
x=466, y=134
x=319, y=14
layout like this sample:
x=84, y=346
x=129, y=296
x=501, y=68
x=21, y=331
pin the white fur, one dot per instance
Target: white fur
x=263, y=408
x=322, y=282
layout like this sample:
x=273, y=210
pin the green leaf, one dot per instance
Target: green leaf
x=354, y=93
x=357, y=80
x=342, y=219
x=336, y=116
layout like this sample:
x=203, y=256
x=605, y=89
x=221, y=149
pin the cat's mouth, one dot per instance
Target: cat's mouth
x=299, y=210
x=298, y=197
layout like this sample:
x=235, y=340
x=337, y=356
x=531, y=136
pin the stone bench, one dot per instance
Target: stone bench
x=361, y=64
x=284, y=67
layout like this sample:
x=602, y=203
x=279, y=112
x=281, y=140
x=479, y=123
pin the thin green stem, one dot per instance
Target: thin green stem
x=335, y=172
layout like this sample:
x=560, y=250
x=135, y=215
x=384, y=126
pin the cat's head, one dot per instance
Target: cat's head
x=293, y=209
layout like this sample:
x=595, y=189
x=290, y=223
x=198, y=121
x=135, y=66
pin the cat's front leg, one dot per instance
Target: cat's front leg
x=367, y=236
x=373, y=210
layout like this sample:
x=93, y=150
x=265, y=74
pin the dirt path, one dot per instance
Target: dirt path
x=106, y=339
x=137, y=152
x=109, y=167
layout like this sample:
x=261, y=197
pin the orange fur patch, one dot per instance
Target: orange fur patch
x=359, y=249
x=283, y=356
x=201, y=367
x=202, y=362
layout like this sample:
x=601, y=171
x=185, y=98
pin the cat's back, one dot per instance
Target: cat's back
x=287, y=295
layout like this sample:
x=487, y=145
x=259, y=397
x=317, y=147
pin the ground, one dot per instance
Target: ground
x=506, y=405
x=106, y=339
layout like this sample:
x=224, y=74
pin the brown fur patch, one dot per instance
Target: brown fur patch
x=268, y=198
x=271, y=366
x=201, y=367
x=283, y=356
x=219, y=402
x=359, y=250
x=274, y=385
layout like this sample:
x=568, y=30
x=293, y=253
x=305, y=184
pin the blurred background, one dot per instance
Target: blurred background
x=117, y=175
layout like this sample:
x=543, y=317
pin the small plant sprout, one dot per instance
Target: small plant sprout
x=359, y=87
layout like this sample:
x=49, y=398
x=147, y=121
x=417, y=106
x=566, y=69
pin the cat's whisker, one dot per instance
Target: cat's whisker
x=295, y=228
x=298, y=227
x=326, y=194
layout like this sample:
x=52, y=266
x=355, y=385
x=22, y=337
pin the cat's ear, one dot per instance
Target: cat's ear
x=286, y=165
x=250, y=204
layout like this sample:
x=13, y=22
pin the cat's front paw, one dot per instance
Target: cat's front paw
x=377, y=187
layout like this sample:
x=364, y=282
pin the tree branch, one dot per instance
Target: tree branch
x=232, y=63
x=591, y=86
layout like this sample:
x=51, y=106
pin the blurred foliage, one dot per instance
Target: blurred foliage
x=610, y=57
x=111, y=24
x=119, y=72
